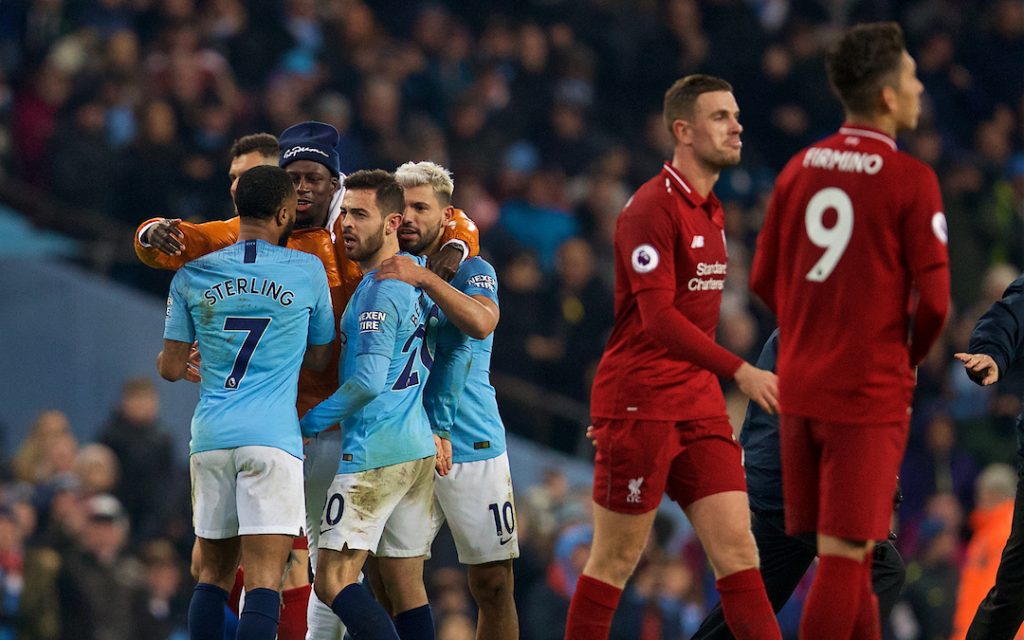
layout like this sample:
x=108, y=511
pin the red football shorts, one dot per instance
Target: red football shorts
x=639, y=460
x=839, y=478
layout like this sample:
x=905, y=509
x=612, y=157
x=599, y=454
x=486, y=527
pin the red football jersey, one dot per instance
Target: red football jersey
x=667, y=237
x=852, y=222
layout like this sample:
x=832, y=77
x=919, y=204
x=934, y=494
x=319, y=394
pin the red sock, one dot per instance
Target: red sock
x=591, y=610
x=746, y=607
x=293, y=615
x=868, y=625
x=833, y=603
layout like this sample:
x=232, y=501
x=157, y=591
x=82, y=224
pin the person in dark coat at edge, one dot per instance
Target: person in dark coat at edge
x=996, y=344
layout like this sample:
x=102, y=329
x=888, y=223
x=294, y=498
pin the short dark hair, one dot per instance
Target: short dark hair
x=862, y=61
x=683, y=94
x=265, y=143
x=390, y=195
x=262, y=191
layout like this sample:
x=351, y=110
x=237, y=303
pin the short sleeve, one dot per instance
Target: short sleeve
x=321, y=321
x=178, y=325
x=645, y=241
x=477, y=278
x=377, y=317
x=925, y=234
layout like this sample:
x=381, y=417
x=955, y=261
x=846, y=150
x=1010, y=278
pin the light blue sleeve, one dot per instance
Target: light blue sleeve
x=321, y=322
x=366, y=383
x=178, y=325
x=447, y=380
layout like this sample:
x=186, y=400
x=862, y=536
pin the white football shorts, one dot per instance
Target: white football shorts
x=476, y=499
x=246, y=491
x=390, y=505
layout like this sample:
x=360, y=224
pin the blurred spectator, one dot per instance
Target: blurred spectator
x=34, y=121
x=150, y=183
x=932, y=581
x=990, y=524
x=574, y=320
x=145, y=452
x=167, y=598
x=539, y=220
x=80, y=155
x=547, y=605
x=937, y=466
x=48, y=450
x=101, y=588
x=97, y=470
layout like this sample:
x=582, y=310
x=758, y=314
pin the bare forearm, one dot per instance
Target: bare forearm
x=471, y=316
x=168, y=369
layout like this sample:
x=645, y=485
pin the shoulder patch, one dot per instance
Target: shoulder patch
x=481, y=281
x=370, y=321
x=939, y=227
x=645, y=258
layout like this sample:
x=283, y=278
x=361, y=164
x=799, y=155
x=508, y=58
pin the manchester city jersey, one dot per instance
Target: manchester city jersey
x=392, y=319
x=253, y=307
x=460, y=399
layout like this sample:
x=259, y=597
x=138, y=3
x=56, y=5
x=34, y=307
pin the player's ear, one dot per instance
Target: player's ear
x=888, y=99
x=449, y=213
x=335, y=183
x=392, y=221
x=681, y=130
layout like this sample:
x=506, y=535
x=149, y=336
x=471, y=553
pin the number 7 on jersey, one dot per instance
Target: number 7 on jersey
x=255, y=328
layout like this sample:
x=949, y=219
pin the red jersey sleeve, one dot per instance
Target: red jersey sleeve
x=924, y=224
x=764, y=269
x=646, y=244
x=924, y=236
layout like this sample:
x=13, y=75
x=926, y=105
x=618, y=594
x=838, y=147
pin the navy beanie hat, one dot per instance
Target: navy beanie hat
x=311, y=141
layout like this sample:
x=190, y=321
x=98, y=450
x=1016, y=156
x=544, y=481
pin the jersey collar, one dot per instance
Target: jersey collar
x=871, y=133
x=710, y=205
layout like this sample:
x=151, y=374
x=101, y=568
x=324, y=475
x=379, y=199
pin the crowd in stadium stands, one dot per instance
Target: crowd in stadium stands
x=549, y=119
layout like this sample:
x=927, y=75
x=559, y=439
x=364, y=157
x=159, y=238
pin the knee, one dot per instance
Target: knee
x=491, y=585
x=615, y=564
x=734, y=553
x=326, y=590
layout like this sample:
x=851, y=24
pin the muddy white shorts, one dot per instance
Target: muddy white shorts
x=246, y=491
x=390, y=506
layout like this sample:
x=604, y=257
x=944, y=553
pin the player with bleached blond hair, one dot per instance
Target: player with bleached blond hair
x=475, y=494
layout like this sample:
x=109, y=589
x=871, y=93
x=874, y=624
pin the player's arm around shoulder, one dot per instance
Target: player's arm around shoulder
x=163, y=243
x=475, y=315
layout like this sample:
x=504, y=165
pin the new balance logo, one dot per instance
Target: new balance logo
x=697, y=243
x=634, y=490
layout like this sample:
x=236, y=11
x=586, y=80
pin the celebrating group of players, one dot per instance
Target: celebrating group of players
x=401, y=425
x=308, y=275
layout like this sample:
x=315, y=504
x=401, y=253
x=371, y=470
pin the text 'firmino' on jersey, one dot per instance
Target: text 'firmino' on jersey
x=238, y=286
x=849, y=161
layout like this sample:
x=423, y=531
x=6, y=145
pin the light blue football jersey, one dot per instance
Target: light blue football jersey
x=464, y=364
x=253, y=307
x=392, y=319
